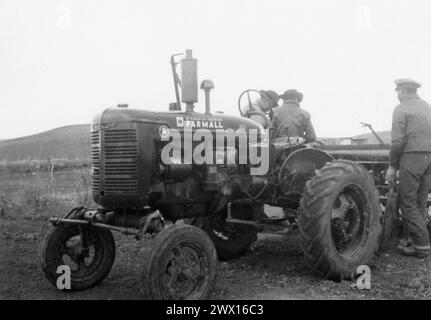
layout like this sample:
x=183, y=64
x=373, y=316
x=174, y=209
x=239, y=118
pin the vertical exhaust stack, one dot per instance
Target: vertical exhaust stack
x=189, y=81
x=177, y=83
x=207, y=86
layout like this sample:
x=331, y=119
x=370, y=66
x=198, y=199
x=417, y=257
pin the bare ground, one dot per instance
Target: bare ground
x=272, y=269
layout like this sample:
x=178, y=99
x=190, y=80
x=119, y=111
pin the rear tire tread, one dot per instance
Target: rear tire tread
x=316, y=236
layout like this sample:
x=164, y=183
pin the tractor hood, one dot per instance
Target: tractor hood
x=177, y=120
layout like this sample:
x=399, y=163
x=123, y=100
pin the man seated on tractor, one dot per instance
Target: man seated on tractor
x=258, y=110
x=292, y=121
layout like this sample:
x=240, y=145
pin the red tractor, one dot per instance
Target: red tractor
x=199, y=210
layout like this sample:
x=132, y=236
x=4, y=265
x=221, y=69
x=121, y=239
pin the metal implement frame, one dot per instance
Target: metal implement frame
x=81, y=221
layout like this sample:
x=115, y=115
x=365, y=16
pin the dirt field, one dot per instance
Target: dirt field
x=272, y=269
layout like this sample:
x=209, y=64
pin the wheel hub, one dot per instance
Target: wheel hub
x=183, y=272
x=80, y=260
x=345, y=221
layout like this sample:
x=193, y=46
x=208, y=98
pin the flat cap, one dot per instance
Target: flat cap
x=407, y=83
x=292, y=93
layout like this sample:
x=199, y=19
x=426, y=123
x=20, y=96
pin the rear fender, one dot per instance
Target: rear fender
x=299, y=167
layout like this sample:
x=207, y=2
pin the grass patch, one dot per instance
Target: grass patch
x=30, y=186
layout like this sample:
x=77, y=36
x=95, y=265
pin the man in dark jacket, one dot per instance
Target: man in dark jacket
x=290, y=120
x=411, y=155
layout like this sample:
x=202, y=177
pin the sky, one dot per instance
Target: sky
x=61, y=62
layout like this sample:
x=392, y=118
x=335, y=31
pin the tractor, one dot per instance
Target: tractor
x=170, y=177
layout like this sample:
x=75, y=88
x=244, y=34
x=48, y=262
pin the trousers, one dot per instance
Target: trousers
x=415, y=183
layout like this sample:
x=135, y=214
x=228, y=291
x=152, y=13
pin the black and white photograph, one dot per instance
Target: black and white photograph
x=236, y=152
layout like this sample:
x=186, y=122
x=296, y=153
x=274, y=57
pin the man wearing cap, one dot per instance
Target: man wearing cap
x=290, y=120
x=261, y=106
x=411, y=155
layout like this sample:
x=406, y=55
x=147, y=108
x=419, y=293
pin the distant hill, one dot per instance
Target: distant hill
x=70, y=142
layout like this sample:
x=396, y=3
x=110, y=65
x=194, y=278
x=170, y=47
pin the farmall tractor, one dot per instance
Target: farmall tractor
x=200, y=211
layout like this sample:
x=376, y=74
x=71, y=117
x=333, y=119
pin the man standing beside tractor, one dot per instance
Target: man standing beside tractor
x=411, y=155
x=290, y=120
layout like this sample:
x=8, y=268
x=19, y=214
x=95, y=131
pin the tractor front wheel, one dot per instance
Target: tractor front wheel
x=339, y=220
x=89, y=264
x=180, y=263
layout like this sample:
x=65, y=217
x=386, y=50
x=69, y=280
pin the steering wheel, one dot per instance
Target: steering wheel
x=250, y=111
x=250, y=104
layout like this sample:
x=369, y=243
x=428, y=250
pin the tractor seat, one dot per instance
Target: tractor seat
x=284, y=143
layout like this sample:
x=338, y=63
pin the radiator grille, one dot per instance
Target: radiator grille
x=120, y=153
x=95, y=160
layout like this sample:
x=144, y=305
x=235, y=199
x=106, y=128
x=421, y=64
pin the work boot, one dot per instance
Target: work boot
x=406, y=242
x=411, y=251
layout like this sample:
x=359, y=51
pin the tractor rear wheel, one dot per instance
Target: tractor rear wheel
x=180, y=263
x=339, y=220
x=231, y=241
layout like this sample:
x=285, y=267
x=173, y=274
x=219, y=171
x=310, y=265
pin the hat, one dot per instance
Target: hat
x=292, y=93
x=271, y=96
x=407, y=83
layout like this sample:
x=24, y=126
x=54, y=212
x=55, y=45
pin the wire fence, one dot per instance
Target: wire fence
x=37, y=187
x=22, y=186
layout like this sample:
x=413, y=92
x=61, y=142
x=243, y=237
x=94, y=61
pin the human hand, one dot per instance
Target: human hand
x=391, y=176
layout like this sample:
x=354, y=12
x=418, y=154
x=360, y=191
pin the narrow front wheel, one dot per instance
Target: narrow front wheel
x=180, y=263
x=89, y=262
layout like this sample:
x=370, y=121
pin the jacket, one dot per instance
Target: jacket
x=290, y=120
x=411, y=128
